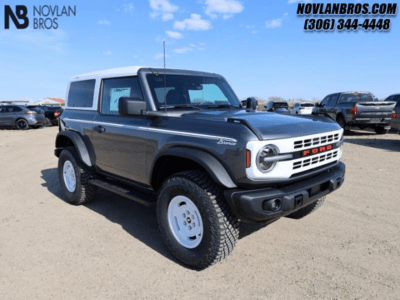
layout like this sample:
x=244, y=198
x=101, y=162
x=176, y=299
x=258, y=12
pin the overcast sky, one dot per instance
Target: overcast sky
x=259, y=46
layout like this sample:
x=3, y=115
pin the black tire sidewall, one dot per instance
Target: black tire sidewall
x=341, y=122
x=26, y=125
x=199, y=197
x=381, y=130
x=74, y=196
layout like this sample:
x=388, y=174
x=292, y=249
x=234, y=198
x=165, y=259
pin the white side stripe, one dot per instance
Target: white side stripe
x=183, y=133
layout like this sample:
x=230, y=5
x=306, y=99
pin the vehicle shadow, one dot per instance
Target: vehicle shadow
x=359, y=132
x=139, y=221
x=378, y=143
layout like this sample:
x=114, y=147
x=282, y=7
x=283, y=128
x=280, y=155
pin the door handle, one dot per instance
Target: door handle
x=99, y=129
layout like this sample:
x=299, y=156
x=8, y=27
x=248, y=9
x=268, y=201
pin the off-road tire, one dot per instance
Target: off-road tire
x=21, y=124
x=381, y=130
x=84, y=192
x=220, y=227
x=307, y=210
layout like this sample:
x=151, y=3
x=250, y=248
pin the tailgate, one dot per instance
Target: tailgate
x=378, y=109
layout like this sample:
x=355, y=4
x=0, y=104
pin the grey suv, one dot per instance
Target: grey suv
x=20, y=117
x=179, y=140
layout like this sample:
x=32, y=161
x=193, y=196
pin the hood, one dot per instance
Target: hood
x=270, y=125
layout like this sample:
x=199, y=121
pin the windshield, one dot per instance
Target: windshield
x=307, y=105
x=191, y=91
x=356, y=98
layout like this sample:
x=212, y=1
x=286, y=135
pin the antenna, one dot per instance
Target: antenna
x=165, y=82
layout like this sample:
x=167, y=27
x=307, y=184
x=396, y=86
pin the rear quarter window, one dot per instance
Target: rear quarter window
x=81, y=93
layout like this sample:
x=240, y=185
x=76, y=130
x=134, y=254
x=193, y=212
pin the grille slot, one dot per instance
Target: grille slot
x=326, y=157
x=300, y=144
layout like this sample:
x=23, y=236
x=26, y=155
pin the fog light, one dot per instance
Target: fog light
x=272, y=205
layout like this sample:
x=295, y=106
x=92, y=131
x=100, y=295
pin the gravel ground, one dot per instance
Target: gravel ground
x=112, y=249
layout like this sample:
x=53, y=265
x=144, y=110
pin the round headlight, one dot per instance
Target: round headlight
x=263, y=163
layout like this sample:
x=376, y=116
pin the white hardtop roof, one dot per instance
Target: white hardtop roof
x=117, y=72
x=132, y=70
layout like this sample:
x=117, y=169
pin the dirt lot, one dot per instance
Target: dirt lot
x=111, y=249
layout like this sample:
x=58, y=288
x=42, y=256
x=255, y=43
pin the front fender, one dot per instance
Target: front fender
x=213, y=167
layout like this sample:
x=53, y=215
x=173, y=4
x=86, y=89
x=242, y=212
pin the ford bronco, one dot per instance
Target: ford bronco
x=180, y=141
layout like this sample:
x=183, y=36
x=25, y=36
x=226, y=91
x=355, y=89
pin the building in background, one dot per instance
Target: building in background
x=50, y=101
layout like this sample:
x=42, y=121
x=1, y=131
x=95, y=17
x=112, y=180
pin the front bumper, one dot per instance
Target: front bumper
x=255, y=205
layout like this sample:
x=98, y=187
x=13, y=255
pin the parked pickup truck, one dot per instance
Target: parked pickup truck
x=357, y=109
x=180, y=140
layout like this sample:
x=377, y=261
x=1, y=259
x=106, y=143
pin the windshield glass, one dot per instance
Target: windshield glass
x=356, y=98
x=307, y=105
x=195, y=91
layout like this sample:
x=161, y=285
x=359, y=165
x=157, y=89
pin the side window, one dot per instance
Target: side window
x=345, y=98
x=391, y=98
x=325, y=101
x=81, y=93
x=333, y=100
x=17, y=109
x=115, y=88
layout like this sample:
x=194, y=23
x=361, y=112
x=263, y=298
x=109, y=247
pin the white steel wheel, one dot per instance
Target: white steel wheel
x=185, y=222
x=69, y=176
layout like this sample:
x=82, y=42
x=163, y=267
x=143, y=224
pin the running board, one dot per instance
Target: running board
x=147, y=199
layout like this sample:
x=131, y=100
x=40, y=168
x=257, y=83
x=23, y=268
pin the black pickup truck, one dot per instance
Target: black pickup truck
x=357, y=109
x=180, y=141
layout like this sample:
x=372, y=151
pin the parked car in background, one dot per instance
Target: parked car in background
x=20, y=117
x=52, y=113
x=395, y=122
x=302, y=109
x=357, y=109
x=281, y=107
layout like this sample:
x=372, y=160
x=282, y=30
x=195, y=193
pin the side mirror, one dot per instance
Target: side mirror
x=128, y=106
x=251, y=104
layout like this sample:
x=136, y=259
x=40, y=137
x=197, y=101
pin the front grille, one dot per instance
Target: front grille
x=325, y=139
x=326, y=157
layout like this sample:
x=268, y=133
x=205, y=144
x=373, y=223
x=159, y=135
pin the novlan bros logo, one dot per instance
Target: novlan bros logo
x=45, y=16
x=21, y=12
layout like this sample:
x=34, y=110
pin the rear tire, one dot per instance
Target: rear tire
x=381, y=130
x=302, y=212
x=74, y=176
x=216, y=230
x=22, y=124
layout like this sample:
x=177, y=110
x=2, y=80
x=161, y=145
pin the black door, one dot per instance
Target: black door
x=331, y=107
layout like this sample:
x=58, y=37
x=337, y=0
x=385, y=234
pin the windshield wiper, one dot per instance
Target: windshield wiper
x=180, y=106
x=222, y=106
